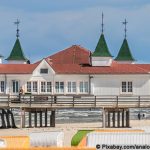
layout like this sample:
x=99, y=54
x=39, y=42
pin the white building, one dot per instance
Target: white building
x=76, y=71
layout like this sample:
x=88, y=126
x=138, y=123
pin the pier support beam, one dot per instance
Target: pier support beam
x=35, y=119
x=114, y=119
x=108, y=119
x=40, y=118
x=52, y=118
x=123, y=118
x=46, y=118
x=118, y=119
x=30, y=121
x=127, y=119
x=104, y=118
x=22, y=120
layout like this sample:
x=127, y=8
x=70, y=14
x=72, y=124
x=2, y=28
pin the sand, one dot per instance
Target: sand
x=68, y=129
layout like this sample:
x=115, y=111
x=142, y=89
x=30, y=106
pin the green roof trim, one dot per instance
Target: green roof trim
x=101, y=49
x=124, y=52
x=17, y=52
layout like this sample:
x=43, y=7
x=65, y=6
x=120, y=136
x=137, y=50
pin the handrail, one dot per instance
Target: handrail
x=77, y=101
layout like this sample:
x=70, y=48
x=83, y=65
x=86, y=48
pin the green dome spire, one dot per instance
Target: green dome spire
x=124, y=52
x=17, y=52
x=101, y=48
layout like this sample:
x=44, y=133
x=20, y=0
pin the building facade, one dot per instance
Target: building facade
x=76, y=71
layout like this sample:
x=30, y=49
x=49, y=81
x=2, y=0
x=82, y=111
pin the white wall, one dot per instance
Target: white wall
x=111, y=84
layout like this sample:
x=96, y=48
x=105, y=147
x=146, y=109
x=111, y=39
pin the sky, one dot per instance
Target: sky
x=49, y=26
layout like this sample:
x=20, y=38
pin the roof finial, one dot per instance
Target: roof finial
x=102, y=22
x=17, y=22
x=125, y=29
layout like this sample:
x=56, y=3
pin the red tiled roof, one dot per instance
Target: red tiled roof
x=72, y=55
x=17, y=68
x=69, y=61
x=75, y=60
x=114, y=69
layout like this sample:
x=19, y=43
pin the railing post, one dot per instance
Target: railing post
x=117, y=102
x=51, y=100
x=8, y=99
x=139, y=98
x=73, y=101
x=95, y=102
x=30, y=99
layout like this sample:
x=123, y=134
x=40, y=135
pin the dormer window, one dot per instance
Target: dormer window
x=44, y=71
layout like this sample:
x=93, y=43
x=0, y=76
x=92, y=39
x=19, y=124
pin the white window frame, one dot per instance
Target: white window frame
x=48, y=89
x=128, y=86
x=32, y=88
x=16, y=89
x=85, y=89
x=30, y=83
x=58, y=89
x=71, y=87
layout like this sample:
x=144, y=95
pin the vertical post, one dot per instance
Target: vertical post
x=123, y=118
x=73, y=101
x=52, y=118
x=41, y=118
x=109, y=119
x=22, y=120
x=30, y=100
x=118, y=119
x=139, y=101
x=114, y=118
x=104, y=118
x=95, y=101
x=8, y=99
x=30, y=121
x=46, y=117
x=127, y=118
x=35, y=119
x=117, y=102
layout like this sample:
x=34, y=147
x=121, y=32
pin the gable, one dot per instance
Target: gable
x=43, y=65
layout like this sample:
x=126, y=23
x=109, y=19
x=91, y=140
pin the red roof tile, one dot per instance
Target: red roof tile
x=72, y=55
x=17, y=68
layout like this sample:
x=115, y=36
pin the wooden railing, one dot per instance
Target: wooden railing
x=75, y=101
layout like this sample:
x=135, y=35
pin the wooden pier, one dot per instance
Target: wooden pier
x=115, y=108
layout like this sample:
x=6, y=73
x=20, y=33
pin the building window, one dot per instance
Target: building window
x=84, y=87
x=44, y=71
x=49, y=87
x=71, y=87
x=15, y=86
x=28, y=86
x=46, y=87
x=34, y=88
x=43, y=87
x=127, y=87
x=2, y=86
x=59, y=87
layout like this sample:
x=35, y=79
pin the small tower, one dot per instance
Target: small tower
x=17, y=56
x=125, y=55
x=101, y=56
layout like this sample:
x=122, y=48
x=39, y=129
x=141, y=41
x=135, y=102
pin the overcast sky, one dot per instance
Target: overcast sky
x=48, y=26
